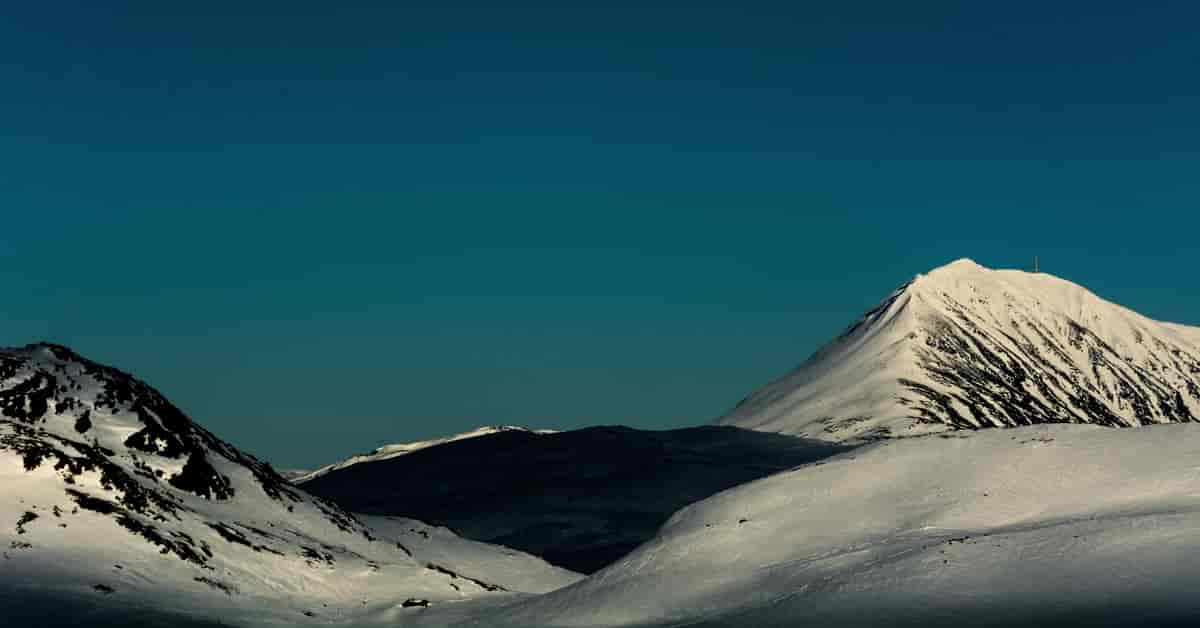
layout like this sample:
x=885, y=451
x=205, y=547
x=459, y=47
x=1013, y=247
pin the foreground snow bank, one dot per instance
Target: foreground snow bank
x=1078, y=525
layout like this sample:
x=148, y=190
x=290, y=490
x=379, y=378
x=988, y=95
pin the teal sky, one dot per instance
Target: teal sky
x=318, y=228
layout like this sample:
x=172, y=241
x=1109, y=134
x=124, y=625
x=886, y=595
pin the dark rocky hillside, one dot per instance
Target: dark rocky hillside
x=579, y=499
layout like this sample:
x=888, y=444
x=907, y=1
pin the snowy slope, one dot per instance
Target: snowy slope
x=292, y=474
x=1064, y=525
x=580, y=499
x=1191, y=334
x=968, y=347
x=116, y=502
x=388, y=452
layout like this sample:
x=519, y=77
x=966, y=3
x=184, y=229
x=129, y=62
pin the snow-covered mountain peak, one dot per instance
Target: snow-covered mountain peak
x=964, y=346
x=72, y=400
x=972, y=284
x=114, y=491
x=959, y=266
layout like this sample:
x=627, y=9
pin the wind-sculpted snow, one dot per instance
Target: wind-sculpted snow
x=965, y=347
x=1059, y=525
x=116, y=500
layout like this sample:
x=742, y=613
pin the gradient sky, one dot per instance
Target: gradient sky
x=318, y=228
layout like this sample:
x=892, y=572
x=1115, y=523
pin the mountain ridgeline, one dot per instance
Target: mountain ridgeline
x=117, y=506
x=808, y=503
x=965, y=347
x=580, y=499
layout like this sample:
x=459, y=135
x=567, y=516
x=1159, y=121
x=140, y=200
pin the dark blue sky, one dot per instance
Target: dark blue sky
x=319, y=228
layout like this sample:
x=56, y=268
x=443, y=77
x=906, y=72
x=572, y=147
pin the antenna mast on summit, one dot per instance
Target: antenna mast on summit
x=1035, y=265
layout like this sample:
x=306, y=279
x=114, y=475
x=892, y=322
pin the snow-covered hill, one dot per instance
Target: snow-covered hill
x=1056, y=525
x=968, y=347
x=118, y=505
x=390, y=451
x=580, y=499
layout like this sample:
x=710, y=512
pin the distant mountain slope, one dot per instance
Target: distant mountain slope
x=1191, y=334
x=400, y=449
x=1057, y=525
x=117, y=503
x=580, y=499
x=965, y=347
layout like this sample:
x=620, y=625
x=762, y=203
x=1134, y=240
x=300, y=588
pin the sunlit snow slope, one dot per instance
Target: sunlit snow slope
x=117, y=505
x=965, y=347
x=387, y=452
x=1057, y=525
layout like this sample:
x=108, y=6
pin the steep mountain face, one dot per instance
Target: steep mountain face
x=580, y=499
x=116, y=500
x=966, y=347
x=394, y=450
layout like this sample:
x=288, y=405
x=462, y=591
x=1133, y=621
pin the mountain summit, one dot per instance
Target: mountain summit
x=967, y=347
x=117, y=506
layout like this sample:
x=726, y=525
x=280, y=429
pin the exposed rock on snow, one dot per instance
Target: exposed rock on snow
x=118, y=506
x=119, y=501
x=965, y=347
